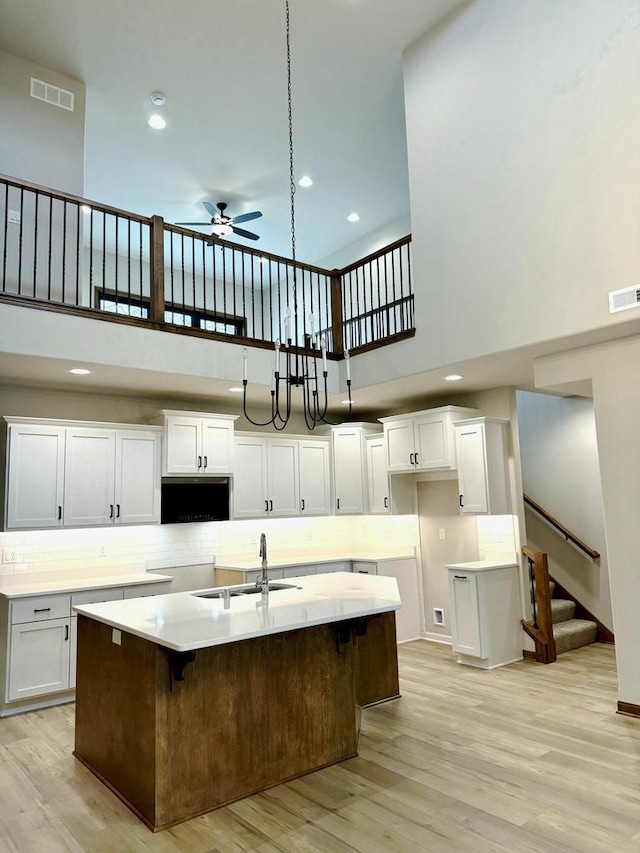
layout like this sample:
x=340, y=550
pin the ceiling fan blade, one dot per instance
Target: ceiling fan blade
x=193, y=223
x=247, y=217
x=242, y=233
x=210, y=208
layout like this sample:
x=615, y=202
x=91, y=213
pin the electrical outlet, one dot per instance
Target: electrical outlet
x=442, y=533
x=14, y=217
x=102, y=551
x=9, y=556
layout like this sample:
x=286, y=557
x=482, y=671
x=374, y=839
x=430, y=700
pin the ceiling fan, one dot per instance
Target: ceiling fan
x=223, y=225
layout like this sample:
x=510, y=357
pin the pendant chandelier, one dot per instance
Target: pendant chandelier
x=301, y=368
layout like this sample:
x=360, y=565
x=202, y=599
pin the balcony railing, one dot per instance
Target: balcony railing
x=84, y=257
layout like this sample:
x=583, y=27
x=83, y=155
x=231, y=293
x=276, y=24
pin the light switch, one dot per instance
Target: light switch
x=116, y=636
x=442, y=533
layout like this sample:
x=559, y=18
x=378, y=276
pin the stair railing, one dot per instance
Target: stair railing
x=540, y=628
x=568, y=535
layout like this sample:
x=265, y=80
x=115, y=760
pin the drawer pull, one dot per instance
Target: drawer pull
x=302, y=505
x=461, y=501
x=386, y=503
x=110, y=510
x=461, y=577
x=41, y=609
x=59, y=512
x=205, y=461
x=266, y=506
x=199, y=462
x=411, y=455
x=117, y=510
x=66, y=632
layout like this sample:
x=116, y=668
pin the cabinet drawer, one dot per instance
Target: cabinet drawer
x=40, y=607
x=142, y=590
x=365, y=568
x=95, y=596
x=256, y=574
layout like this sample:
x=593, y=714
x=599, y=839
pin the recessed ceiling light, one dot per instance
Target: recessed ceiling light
x=158, y=99
x=453, y=377
x=157, y=122
x=236, y=390
x=79, y=371
x=353, y=217
x=305, y=181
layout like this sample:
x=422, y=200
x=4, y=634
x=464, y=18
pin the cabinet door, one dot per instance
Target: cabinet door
x=399, y=443
x=89, y=477
x=250, y=495
x=408, y=617
x=35, y=479
x=377, y=477
x=137, y=477
x=283, y=477
x=465, y=627
x=184, y=445
x=217, y=446
x=348, y=470
x=315, y=482
x=472, y=469
x=39, y=658
x=434, y=442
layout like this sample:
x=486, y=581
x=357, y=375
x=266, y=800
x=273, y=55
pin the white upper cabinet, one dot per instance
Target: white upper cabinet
x=377, y=477
x=349, y=469
x=265, y=484
x=75, y=474
x=112, y=476
x=315, y=476
x=482, y=466
x=35, y=476
x=422, y=441
x=198, y=444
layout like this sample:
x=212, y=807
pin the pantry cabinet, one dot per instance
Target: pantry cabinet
x=197, y=443
x=422, y=441
x=482, y=466
x=79, y=473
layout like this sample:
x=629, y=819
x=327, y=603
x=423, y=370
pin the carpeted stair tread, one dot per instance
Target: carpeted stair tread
x=562, y=609
x=573, y=633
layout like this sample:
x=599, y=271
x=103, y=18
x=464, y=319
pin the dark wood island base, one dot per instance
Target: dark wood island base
x=175, y=735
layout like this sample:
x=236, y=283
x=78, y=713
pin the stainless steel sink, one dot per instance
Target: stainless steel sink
x=244, y=589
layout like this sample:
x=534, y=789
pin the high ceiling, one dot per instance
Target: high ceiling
x=222, y=66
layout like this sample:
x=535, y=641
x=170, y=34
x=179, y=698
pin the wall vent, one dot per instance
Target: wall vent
x=628, y=297
x=52, y=94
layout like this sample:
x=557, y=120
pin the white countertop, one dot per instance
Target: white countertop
x=247, y=564
x=482, y=565
x=183, y=622
x=53, y=584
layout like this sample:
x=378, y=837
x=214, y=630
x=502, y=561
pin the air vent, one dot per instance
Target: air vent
x=52, y=94
x=628, y=297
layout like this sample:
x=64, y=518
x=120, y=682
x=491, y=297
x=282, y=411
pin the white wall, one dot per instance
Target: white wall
x=523, y=132
x=612, y=369
x=560, y=471
x=45, y=144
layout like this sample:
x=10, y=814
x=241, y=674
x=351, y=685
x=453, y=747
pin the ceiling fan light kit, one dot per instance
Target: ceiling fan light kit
x=222, y=225
x=301, y=370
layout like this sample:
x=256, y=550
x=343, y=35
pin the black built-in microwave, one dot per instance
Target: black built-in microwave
x=186, y=499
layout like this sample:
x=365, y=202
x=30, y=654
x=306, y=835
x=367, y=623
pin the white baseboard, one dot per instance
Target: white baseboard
x=444, y=639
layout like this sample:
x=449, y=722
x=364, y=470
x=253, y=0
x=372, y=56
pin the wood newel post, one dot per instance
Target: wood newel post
x=157, y=270
x=336, y=313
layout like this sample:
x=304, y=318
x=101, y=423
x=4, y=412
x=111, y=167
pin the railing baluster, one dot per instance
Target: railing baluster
x=77, y=210
x=49, y=259
x=64, y=250
x=6, y=232
x=35, y=243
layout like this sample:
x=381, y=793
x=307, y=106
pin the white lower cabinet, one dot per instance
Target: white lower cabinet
x=406, y=574
x=39, y=643
x=39, y=658
x=485, y=613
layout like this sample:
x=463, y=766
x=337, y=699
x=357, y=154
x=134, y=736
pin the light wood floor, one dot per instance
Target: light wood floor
x=523, y=759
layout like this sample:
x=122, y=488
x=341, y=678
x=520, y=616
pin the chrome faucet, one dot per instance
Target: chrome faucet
x=263, y=583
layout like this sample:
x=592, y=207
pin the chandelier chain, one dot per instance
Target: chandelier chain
x=292, y=183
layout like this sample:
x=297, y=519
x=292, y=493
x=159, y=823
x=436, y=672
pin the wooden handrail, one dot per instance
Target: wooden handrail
x=541, y=628
x=571, y=537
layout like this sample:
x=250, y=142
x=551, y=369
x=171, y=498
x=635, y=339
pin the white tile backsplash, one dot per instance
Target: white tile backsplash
x=163, y=546
x=496, y=537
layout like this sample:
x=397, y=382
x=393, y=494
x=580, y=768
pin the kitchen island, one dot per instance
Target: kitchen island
x=186, y=702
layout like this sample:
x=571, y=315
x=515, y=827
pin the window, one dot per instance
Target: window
x=194, y=318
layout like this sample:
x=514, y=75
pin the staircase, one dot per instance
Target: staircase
x=568, y=632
